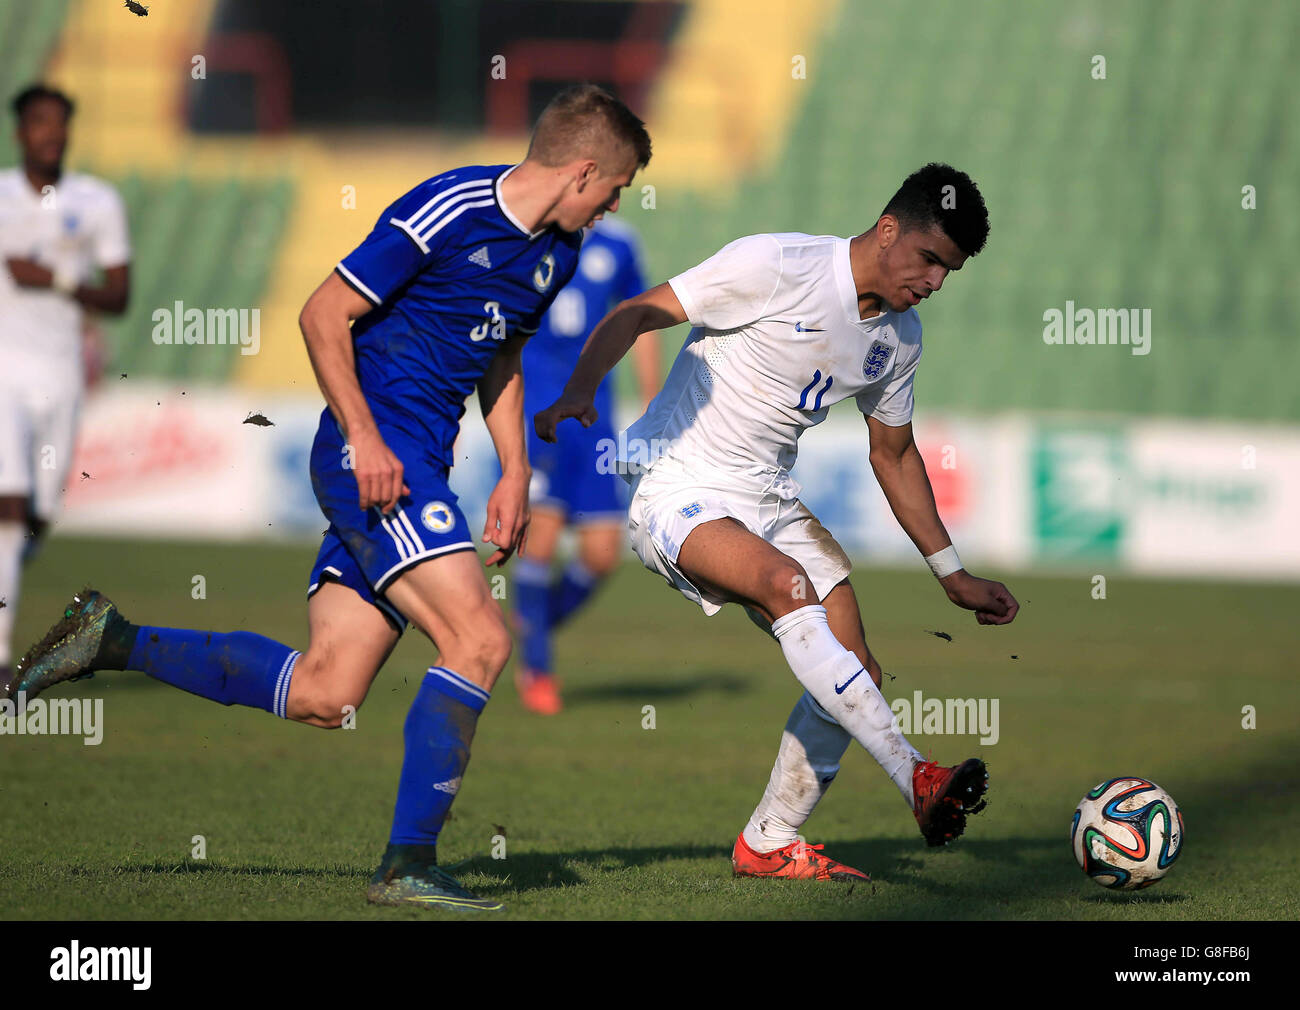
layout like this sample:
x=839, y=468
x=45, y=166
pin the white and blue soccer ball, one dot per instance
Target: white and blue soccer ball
x=1126, y=833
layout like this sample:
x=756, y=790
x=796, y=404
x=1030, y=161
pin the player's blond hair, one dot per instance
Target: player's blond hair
x=586, y=121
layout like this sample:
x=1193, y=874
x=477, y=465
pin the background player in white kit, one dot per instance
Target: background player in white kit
x=785, y=326
x=56, y=230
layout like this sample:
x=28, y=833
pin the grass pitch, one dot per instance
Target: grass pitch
x=603, y=818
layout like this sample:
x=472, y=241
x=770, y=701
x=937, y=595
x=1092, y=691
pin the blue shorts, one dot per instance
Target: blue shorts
x=366, y=550
x=576, y=476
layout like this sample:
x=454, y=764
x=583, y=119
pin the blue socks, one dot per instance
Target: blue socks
x=576, y=585
x=235, y=668
x=532, y=588
x=541, y=606
x=439, y=729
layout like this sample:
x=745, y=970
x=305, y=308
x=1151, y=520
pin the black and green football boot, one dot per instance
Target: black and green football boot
x=409, y=875
x=73, y=648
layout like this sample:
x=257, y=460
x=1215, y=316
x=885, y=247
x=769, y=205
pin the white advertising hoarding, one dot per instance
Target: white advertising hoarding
x=1015, y=491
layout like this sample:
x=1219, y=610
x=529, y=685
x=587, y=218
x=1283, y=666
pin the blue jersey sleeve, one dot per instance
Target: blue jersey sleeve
x=630, y=281
x=409, y=236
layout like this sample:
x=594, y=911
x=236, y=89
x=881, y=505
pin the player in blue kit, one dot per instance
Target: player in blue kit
x=445, y=290
x=573, y=485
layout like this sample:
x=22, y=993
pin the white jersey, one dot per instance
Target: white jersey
x=79, y=226
x=777, y=340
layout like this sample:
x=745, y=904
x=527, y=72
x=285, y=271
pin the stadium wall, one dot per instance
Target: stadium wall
x=1016, y=490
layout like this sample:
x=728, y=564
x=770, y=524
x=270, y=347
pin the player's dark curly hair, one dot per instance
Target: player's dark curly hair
x=925, y=200
x=36, y=92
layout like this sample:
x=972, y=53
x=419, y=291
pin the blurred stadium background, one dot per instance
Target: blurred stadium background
x=255, y=144
x=247, y=183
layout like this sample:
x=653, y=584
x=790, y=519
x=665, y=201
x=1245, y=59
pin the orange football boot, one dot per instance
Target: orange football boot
x=945, y=797
x=538, y=692
x=798, y=860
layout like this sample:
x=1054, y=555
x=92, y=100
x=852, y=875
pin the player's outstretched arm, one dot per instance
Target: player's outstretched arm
x=647, y=357
x=324, y=322
x=655, y=309
x=899, y=468
x=501, y=396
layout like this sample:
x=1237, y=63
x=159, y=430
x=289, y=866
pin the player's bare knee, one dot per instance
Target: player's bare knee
x=335, y=707
x=496, y=649
x=600, y=559
x=306, y=702
x=314, y=696
x=480, y=657
x=482, y=664
x=326, y=709
x=787, y=587
x=319, y=716
x=601, y=567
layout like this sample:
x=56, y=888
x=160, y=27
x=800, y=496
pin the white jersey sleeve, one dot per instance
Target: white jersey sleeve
x=732, y=287
x=891, y=402
x=111, y=245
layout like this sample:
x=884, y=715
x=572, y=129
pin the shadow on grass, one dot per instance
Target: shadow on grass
x=1016, y=873
x=1012, y=878
x=191, y=866
x=656, y=690
x=1137, y=898
x=531, y=871
x=1022, y=872
x=1022, y=869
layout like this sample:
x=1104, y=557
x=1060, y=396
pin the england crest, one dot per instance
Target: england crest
x=876, y=360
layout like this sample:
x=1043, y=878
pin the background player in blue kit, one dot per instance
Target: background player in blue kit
x=572, y=481
x=445, y=290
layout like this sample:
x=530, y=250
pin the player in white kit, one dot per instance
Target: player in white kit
x=784, y=327
x=56, y=230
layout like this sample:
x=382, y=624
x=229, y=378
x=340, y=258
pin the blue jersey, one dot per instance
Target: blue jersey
x=452, y=274
x=609, y=271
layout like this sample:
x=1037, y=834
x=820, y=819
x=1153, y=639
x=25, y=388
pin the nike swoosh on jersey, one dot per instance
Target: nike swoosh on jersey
x=799, y=327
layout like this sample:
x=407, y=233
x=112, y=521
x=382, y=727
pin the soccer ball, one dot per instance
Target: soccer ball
x=1126, y=833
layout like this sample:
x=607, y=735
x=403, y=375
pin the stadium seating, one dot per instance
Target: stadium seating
x=206, y=244
x=1086, y=204
x=1117, y=193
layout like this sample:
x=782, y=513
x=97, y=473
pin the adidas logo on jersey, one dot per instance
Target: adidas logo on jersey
x=481, y=258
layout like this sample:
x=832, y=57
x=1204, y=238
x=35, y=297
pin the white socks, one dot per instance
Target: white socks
x=12, y=540
x=811, y=747
x=841, y=686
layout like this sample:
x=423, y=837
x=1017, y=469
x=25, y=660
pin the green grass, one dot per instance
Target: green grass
x=605, y=819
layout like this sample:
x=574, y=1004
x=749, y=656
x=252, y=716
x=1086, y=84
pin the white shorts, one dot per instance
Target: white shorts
x=38, y=430
x=667, y=504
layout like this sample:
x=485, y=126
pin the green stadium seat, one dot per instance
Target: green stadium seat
x=28, y=33
x=207, y=244
x=1103, y=192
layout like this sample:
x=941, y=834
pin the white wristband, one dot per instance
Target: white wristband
x=943, y=563
x=65, y=280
